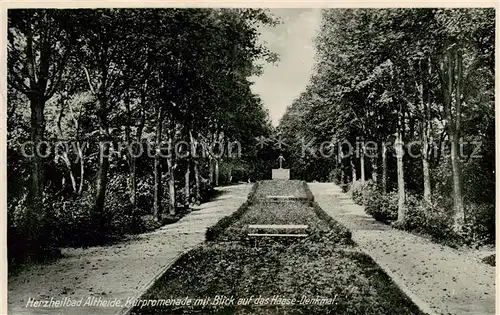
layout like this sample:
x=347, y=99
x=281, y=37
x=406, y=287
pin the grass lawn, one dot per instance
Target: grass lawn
x=321, y=274
x=295, y=188
x=349, y=279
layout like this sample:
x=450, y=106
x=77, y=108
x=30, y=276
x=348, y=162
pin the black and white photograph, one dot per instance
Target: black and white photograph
x=250, y=160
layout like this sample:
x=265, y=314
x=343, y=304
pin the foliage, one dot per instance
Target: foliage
x=322, y=268
x=214, y=231
x=433, y=219
x=309, y=194
x=358, y=191
x=479, y=228
x=335, y=176
x=295, y=188
x=383, y=207
x=490, y=260
x=346, y=187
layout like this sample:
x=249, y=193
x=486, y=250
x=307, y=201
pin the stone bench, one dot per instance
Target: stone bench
x=301, y=230
x=284, y=198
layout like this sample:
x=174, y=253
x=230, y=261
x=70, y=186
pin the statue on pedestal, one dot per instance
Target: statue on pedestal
x=281, y=159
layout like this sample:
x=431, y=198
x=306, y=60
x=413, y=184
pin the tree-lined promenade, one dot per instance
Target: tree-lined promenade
x=125, y=76
x=124, y=122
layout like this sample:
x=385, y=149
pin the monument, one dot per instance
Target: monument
x=281, y=173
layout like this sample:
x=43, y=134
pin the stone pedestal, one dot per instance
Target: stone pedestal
x=281, y=173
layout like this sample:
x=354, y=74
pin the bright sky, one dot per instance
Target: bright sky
x=282, y=82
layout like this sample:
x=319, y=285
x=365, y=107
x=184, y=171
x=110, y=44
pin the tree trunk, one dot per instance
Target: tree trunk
x=362, y=161
x=400, y=171
x=425, y=106
x=187, y=191
x=197, y=182
x=133, y=192
x=37, y=131
x=426, y=172
x=353, y=169
x=211, y=170
x=72, y=176
x=171, y=177
x=459, y=215
x=195, y=157
x=340, y=163
x=384, y=166
x=78, y=148
x=102, y=174
x=82, y=168
x=216, y=172
x=133, y=184
x=171, y=191
x=374, y=169
x=102, y=179
x=157, y=166
x=36, y=217
x=64, y=154
x=453, y=127
x=131, y=151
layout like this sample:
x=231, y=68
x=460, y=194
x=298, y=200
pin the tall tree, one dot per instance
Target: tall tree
x=40, y=45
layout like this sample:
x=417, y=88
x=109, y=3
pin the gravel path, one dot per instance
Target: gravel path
x=120, y=271
x=446, y=280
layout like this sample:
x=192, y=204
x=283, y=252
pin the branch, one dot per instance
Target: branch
x=361, y=124
x=19, y=83
x=75, y=121
x=45, y=56
x=88, y=80
x=58, y=73
x=30, y=60
x=59, y=117
x=458, y=85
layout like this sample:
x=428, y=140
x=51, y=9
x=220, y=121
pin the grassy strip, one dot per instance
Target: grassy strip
x=309, y=194
x=350, y=279
x=293, y=188
x=341, y=230
x=252, y=196
x=214, y=231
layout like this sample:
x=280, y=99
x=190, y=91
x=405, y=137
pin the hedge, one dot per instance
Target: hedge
x=217, y=229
